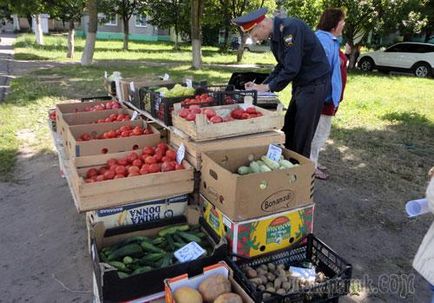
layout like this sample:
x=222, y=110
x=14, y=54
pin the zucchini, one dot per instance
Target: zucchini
x=129, y=250
x=167, y=260
x=285, y=164
x=243, y=170
x=118, y=265
x=254, y=167
x=122, y=275
x=169, y=240
x=141, y=270
x=173, y=229
x=270, y=163
x=158, y=241
x=127, y=260
x=264, y=168
x=150, y=247
x=152, y=257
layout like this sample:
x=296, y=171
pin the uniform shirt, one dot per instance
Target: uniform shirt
x=299, y=55
x=331, y=48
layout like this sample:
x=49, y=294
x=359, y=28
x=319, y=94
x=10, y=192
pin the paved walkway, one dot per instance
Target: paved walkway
x=6, y=57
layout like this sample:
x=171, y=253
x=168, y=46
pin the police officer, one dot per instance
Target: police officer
x=301, y=60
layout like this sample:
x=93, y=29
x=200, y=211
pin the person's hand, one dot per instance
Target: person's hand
x=261, y=87
x=249, y=85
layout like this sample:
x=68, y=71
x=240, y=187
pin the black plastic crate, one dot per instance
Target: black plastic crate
x=239, y=80
x=96, y=98
x=309, y=250
x=237, y=96
x=142, y=98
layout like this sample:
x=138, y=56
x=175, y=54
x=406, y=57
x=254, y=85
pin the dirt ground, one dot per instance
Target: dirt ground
x=44, y=256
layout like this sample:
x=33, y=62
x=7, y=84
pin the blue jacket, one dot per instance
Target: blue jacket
x=331, y=48
x=299, y=55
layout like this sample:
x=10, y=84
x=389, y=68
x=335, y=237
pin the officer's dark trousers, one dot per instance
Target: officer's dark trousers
x=303, y=114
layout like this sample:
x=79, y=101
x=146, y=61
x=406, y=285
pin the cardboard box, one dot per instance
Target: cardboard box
x=193, y=150
x=72, y=106
x=112, y=288
x=267, y=234
x=201, y=130
x=243, y=197
x=221, y=268
x=142, y=212
x=81, y=118
x=76, y=148
x=118, y=192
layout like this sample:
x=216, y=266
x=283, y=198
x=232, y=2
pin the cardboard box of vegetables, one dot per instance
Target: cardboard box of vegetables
x=133, y=261
x=244, y=184
x=259, y=236
x=215, y=285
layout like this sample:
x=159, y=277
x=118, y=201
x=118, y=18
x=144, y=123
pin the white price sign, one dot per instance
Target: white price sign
x=180, y=153
x=189, y=252
x=274, y=152
x=189, y=83
x=166, y=77
x=132, y=88
x=134, y=116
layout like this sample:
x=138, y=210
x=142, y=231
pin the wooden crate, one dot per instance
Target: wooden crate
x=82, y=118
x=201, y=130
x=117, y=192
x=193, y=149
x=76, y=148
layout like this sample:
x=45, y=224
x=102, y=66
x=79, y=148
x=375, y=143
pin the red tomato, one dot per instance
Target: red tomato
x=100, y=178
x=144, y=171
x=132, y=169
x=154, y=168
x=108, y=175
x=120, y=170
x=147, y=131
x=216, y=119
x=89, y=180
x=123, y=161
x=102, y=170
x=119, y=176
x=191, y=117
x=137, y=163
x=245, y=116
x=150, y=160
x=167, y=166
x=251, y=110
x=137, y=131
x=171, y=154
x=148, y=151
x=91, y=173
x=209, y=113
x=100, y=121
x=162, y=146
x=183, y=113
x=134, y=173
x=111, y=162
x=158, y=156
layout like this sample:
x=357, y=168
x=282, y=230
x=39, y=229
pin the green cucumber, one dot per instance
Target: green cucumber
x=173, y=229
x=141, y=270
x=254, y=167
x=270, y=163
x=157, y=241
x=244, y=170
x=177, y=238
x=122, y=275
x=127, y=260
x=128, y=250
x=170, y=242
x=152, y=257
x=189, y=237
x=118, y=265
x=150, y=247
x=167, y=261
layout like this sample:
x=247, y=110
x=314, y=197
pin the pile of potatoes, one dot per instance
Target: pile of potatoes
x=275, y=279
x=215, y=289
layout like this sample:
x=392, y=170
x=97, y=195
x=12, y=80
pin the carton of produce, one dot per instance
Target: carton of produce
x=244, y=184
x=132, y=262
x=255, y=237
x=216, y=284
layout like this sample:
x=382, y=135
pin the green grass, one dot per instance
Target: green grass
x=56, y=46
x=382, y=131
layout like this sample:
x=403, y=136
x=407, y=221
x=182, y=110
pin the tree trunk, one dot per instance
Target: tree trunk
x=16, y=23
x=126, y=32
x=71, y=37
x=355, y=49
x=87, y=57
x=240, y=51
x=38, y=30
x=176, y=47
x=196, y=12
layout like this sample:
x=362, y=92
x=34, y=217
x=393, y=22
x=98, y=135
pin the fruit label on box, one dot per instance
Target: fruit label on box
x=274, y=152
x=143, y=212
x=180, y=153
x=189, y=252
x=132, y=88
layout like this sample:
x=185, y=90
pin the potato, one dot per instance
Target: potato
x=271, y=277
x=261, y=271
x=261, y=287
x=266, y=295
x=264, y=267
x=280, y=266
x=270, y=289
x=280, y=291
x=213, y=287
x=271, y=266
x=256, y=281
x=187, y=295
x=286, y=286
x=277, y=283
x=229, y=298
x=269, y=285
x=251, y=273
x=263, y=279
x=280, y=272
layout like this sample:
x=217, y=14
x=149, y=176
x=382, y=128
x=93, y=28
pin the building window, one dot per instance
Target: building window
x=111, y=20
x=141, y=21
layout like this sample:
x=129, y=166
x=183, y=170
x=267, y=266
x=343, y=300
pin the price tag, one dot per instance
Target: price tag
x=105, y=74
x=132, y=88
x=189, y=83
x=180, y=153
x=189, y=252
x=274, y=152
x=166, y=77
x=134, y=116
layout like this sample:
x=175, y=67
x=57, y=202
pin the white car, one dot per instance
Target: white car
x=414, y=57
